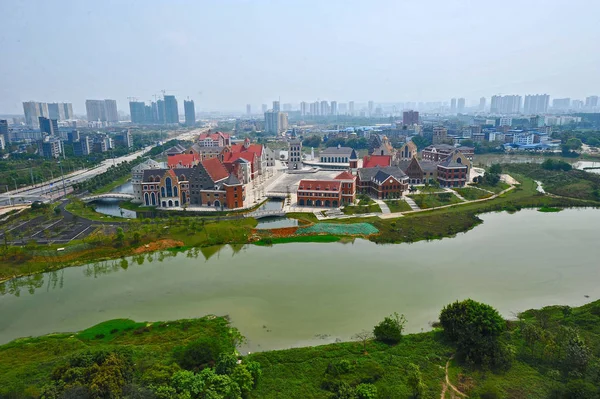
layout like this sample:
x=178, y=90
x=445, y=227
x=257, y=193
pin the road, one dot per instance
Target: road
x=56, y=188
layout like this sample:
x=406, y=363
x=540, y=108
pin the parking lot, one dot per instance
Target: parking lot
x=290, y=181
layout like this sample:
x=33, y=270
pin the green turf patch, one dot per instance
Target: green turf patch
x=285, y=240
x=549, y=209
x=339, y=229
x=107, y=330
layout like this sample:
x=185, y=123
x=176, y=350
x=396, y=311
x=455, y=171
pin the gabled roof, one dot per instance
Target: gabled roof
x=439, y=148
x=185, y=172
x=451, y=163
x=255, y=148
x=343, y=151
x=153, y=172
x=323, y=185
x=381, y=177
x=182, y=160
x=345, y=175
x=371, y=161
x=365, y=174
x=176, y=149
x=233, y=157
x=232, y=181
x=213, y=136
x=215, y=169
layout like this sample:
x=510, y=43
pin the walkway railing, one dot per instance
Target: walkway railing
x=122, y=196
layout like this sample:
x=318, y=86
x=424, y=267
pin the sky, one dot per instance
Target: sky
x=224, y=54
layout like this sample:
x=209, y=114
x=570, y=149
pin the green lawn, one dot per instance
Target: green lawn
x=501, y=186
x=87, y=211
x=365, y=205
x=426, y=201
x=471, y=193
x=398, y=205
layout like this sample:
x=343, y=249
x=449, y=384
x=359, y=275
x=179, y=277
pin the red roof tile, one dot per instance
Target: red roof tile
x=232, y=157
x=255, y=148
x=372, y=161
x=182, y=160
x=330, y=185
x=345, y=175
x=215, y=169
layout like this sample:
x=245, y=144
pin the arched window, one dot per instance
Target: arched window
x=169, y=186
x=175, y=192
x=459, y=160
x=217, y=203
x=170, y=203
x=183, y=197
x=153, y=199
x=181, y=178
x=162, y=192
x=146, y=200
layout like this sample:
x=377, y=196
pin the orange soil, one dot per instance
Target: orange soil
x=282, y=232
x=158, y=245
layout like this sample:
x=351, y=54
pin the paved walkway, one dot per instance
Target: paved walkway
x=413, y=205
x=384, y=208
x=460, y=197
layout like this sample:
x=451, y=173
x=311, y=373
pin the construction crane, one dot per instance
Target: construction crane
x=132, y=99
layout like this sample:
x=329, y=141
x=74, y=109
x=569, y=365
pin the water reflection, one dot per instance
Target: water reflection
x=55, y=279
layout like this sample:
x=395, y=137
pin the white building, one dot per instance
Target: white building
x=137, y=176
x=505, y=121
x=524, y=138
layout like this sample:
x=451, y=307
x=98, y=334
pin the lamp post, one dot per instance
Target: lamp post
x=63, y=178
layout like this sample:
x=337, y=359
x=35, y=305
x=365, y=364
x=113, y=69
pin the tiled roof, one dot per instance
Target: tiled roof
x=323, y=185
x=215, y=169
x=233, y=157
x=347, y=151
x=451, y=163
x=232, y=181
x=213, y=136
x=153, y=173
x=428, y=166
x=182, y=160
x=439, y=147
x=185, y=172
x=176, y=149
x=365, y=174
x=255, y=148
x=371, y=161
x=345, y=175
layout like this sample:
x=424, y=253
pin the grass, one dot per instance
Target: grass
x=398, y=205
x=471, y=193
x=26, y=364
x=573, y=183
x=498, y=188
x=549, y=209
x=365, y=205
x=285, y=240
x=87, y=211
x=110, y=186
x=426, y=201
x=429, y=189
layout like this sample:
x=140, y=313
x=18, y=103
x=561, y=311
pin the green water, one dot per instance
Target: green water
x=310, y=293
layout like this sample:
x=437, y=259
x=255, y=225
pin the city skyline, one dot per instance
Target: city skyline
x=543, y=52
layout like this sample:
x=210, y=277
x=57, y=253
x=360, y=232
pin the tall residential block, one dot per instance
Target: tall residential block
x=189, y=112
x=482, y=103
x=33, y=110
x=460, y=105
x=303, y=108
x=248, y=109
x=137, y=110
x=276, y=122
x=4, y=131
x=440, y=135
x=561, y=103
x=506, y=104
x=536, y=104
x=48, y=126
x=591, y=102
x=276, y=106
x=410, y=118
x=351, y=108
x=171, y=110
x=111, y=113
x=453, y=105
x=95, y=110
x=334, y=108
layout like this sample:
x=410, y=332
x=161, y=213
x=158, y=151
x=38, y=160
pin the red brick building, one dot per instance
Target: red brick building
x=327, y=193
x=382, y=183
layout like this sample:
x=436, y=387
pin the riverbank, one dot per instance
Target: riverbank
x=151, y=355
x=195, y=231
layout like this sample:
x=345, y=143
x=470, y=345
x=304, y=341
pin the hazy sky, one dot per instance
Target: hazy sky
x=226, y=53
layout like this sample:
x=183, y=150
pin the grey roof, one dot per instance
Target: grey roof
x=153, y=172
x=199, y=149
x=231, y=180
x=369, y=173
x=176, y=149
x=347, y=151
x=186, y=172
x=428, y=166
x=450, y=163
x=438, y=147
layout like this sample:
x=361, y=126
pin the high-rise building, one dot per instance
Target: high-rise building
x=68, y=110
x=276, y=106
x=561, y=103
x=4, y=131
x=303, y=108
x=160, y=107
x=73, y=136
x=482, y=103
x=110, y=110
x=83, y=147
x=453, y=105
x=33, y=110
x=54, y=111
x=149, y=113
x=505, y=104
x=275, y=122
x=370, y=105
x=410, y=118
x=248, y=109
x=314, y=108
x=324, y=108
x=124, y=139
x=351, y=107
x=577, y=104
x=48, y=126
x=189, y=112
x=334, y=108
x=460, y=105
x=536, y=104
x=440, y=134
x=171, y=110
x=50, y=147
x=263, y=108
x=591, y=102
x=137, y=110
x=96, y=110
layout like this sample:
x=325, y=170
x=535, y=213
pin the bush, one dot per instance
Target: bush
x=226, y=363
x=390, y=329
x=339, y=367
x=366, y=391
x=199, y=353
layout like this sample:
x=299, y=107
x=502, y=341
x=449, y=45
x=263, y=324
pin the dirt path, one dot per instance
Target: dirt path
x=447, y=384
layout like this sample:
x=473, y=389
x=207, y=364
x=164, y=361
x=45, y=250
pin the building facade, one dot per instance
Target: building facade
x=189, y=112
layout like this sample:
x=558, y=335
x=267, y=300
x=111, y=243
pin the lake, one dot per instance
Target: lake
x=311, y=293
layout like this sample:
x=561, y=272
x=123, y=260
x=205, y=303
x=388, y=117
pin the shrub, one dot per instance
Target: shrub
x=390, y=329
x=339, y=367
x=255, y=370
x=199, y=353
x=226, y=363
x=366, y=391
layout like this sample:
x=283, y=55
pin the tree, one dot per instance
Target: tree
x=421, y=142
x=120, y=238
x=532, y=334
x=390, y=329
x=226, y=363
x=475, y=328
x=364, y=336
x=573, y=143
x=366, y=391
x=412, y=189
x=313, y=141
x=415, y=381
x=496, y=169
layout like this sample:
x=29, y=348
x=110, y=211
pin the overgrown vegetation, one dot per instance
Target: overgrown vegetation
x=426, y=201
